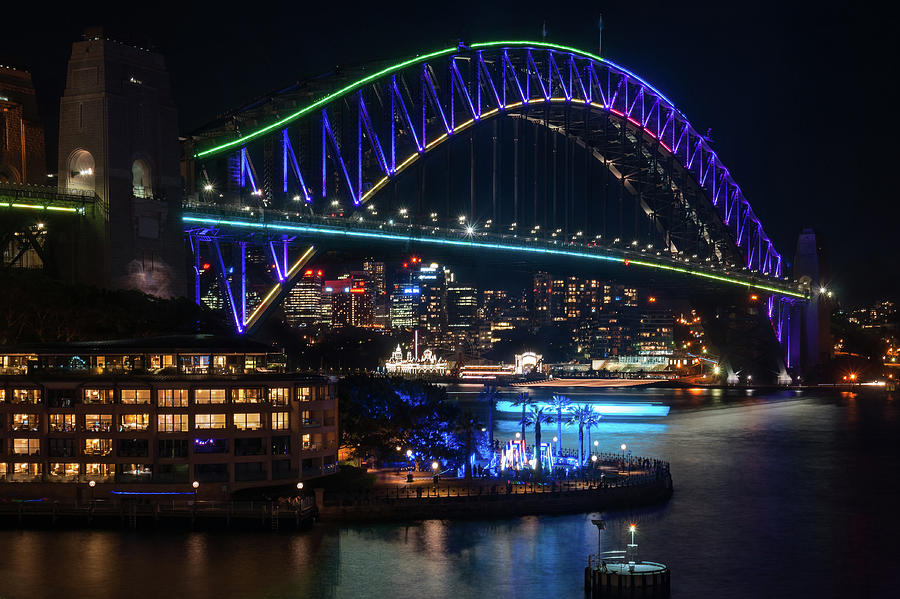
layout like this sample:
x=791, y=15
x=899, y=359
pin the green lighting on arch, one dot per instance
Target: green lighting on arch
x=334, y=231
x=399, y=66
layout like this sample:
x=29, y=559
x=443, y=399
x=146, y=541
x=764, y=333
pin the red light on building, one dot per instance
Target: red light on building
x=357, y=290
x=405, y=265
x=319, y=273
x=206, y=265
x=651, y=299
x=626, y=261
x=754, y=297
x=308, y=273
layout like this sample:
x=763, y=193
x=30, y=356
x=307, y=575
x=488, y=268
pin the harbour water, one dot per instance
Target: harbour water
x=782, y=494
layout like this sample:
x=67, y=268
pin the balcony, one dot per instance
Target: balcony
x=310, y=423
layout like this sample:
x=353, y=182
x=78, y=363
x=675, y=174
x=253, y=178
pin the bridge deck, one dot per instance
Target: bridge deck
x=40, y=197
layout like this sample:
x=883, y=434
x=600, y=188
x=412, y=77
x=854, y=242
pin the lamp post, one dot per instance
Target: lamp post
x=196, y=486
x=92, y=484
x=434, y=469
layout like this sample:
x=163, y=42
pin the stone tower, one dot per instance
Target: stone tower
x=811, y=342
x=21, y=132
x=118, y=137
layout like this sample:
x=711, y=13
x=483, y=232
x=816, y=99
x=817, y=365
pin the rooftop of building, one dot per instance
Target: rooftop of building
x=174, y=344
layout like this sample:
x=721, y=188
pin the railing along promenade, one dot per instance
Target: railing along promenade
x=201, y=215
x=43, y=197
x=648, y=481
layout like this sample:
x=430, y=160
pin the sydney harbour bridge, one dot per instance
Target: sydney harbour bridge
x=507, y=150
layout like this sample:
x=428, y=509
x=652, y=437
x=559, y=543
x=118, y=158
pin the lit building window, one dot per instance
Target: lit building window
x=97, y=447
x=62, y=423
x=26, y=395
x=27, y=446
x=172, y=423
x=304, y=394
x=208, y=396
x=278, y=396
x=280, y=421
x=247, y=422
x=98, y=423
x=134, y=396
x=2, y=471
x=63, y=471
x=99, y=472
x=26, y=471
x=172, y=398
x=3, y=398
x=208, y=421
x=306, y=442
x=25, y=422
x=252, y=395
x=98, y=396
x=134, y=422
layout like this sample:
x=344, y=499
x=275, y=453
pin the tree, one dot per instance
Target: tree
x=559, y=403
x=490, y=394
x=579, y=416
x=467, y=423
x=590, y=422
x=535, y=417
x=523, y=400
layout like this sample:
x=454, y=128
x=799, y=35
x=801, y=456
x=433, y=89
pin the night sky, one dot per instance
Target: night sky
x=799, y=98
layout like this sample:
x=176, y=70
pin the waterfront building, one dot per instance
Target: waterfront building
x=155, y=415
x=413, y=365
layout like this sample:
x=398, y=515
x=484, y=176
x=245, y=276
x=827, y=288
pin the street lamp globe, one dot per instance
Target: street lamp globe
x=555, y=439
x=593, y=458
x=195, y=484
x=409, y=453
x=518, y=436
x=92, y=484
x=300, y=485
x=435, y=465
x=624, y=447
x=596, y=443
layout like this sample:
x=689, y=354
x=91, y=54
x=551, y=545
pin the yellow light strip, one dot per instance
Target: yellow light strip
x=264, y=304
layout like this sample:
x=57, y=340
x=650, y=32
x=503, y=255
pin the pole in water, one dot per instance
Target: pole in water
x=601, y=525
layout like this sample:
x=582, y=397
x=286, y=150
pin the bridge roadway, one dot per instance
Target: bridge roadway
x=229, y=222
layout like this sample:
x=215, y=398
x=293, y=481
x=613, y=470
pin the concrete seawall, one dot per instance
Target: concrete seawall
x=363, y=507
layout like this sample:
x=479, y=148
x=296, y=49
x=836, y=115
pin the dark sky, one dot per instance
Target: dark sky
x=799, y=96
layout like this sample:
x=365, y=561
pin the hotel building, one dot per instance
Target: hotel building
x=155, y=415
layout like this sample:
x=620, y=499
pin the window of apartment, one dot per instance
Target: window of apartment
x=279, y=396
x=98, y=396
x=207, y=396
x=252, y=395
x=26, y=446
x=249, y=446
x=211, y=473
x=172, y=423
x=281, y=445
x=62, y=423
x=97, y=446
x=25, y=422
x=304, y=394
x=306, y=442
x=134, y=422
x=172, y=448
x=247, y=422
x=98, y=423
x=135, y=472
x=162, y=361
x=63, y=471
x=99, y=471
x=210, y=445
x=280, y=421
x=61, y=448
x=26, y=470
x=249, y=471
x=26, y=396
x=3, y=398
x=172, y=398
x=251, y=363
x=134, y=448
x=135, y=396
x=195, y=363
x=207, y=421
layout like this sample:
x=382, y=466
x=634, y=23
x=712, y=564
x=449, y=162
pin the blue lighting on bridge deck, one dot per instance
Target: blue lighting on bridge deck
x=606, y=410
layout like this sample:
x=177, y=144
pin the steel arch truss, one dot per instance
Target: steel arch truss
x=346, y=145
x=237, y=264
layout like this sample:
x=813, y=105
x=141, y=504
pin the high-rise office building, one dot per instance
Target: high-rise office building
x=302, y=305
x=462, y=307
x=404, y=306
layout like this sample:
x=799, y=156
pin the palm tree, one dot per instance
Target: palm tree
x=559, y=403
x=580, y=415
x=589, y=423
x=490, y=395
x=535, y=417
x=467, y=422
x=524, y=401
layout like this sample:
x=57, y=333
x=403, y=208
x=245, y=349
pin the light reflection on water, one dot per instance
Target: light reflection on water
x=776, y=495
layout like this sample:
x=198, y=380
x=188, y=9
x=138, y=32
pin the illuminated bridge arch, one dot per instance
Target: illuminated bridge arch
x=344, y=139
x=316, y=147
